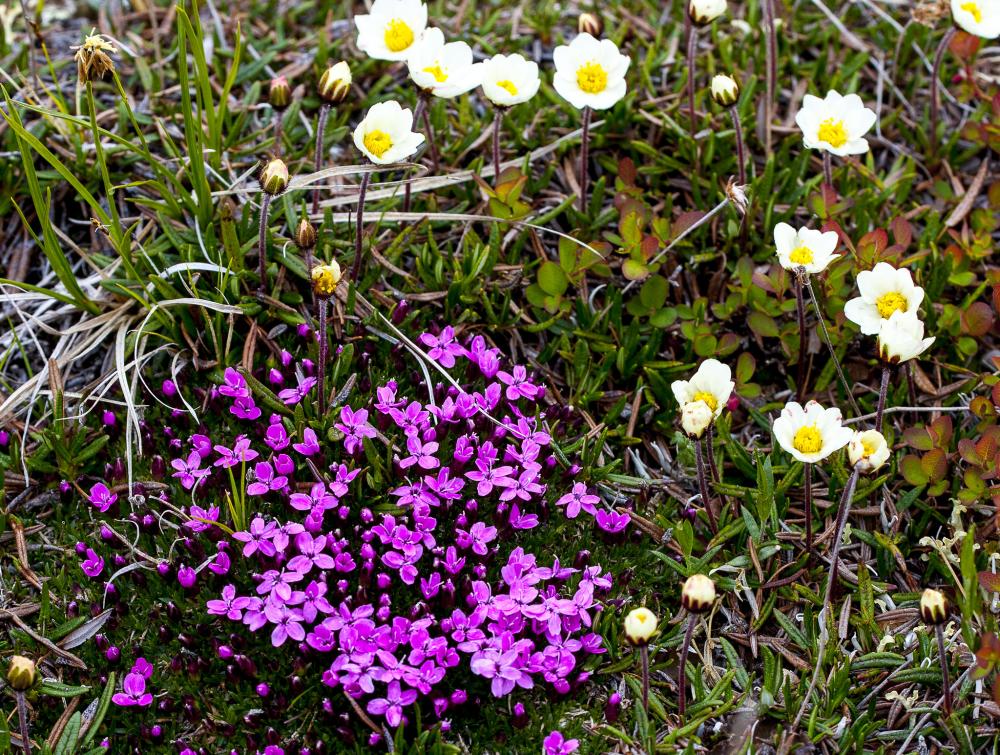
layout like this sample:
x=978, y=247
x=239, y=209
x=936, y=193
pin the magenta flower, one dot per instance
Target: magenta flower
x=391, y=706
x=133, y=692
x=245, y=408
x=187, y=577
x=443, y=348
x=612, y=521
x=101, y=497
x=189, y=470
x=238, y=454
x=354, y=425
x=142, y=667
x=309, y=444
x=421, y=454
x=258, y=538
x=265, y=480
x=556, y=744
x=234, y=385
x=292, y=396
x=287, y=624
x=201, y=519
x=231, y=606
x=578, y=499
x=93, y=565
x=518, y=385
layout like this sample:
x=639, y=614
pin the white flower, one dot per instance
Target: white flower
x=392, y=28
x=712, y=383
x=590, y=73
x=444, y=69
x=725, y=90
x=640, y=624
x=704, y=12
x=979, y=17
x=810, y=433
x=901, y=338
x=386, y=135
x=805, y=247
x=884, y=291
x=695, y=418
x=835, y=123
x=510, y=79
x=869, y=449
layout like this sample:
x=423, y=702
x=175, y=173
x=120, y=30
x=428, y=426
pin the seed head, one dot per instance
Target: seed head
x=93, y=58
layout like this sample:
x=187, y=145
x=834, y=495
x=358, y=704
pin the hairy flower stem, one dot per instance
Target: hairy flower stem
x=936, y=83
x=585, y=159
x=418, y=112
x=644, y=655
x=829, y=344
x=278, y=124
x=807, y=496
x=497, y=125
x=942, y=653
x=800, y=306
x=324, y=114
x=703, y=486
x=682, y=667
x=713, y=467
x=740, y=148
x=771, y=66
x=691, y=46
x=882, y=393
x=356, y=269
x=265, y=209
x=843, y=510
x=22, y=719
x=828, y=169
x=324, y=347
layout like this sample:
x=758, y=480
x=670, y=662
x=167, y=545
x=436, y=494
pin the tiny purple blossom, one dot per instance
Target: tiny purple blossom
x=101, y=497
x=133, y=692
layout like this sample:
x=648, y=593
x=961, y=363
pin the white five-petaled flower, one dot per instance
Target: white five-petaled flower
x=696, y=417
x=392, y=28
x=510, y=79
x=712, y=383
x=901, y=338
x=979, y=17
x=386, y=134
x=810, y=433
x=805, y=247
x=869, y=449
x=444, y=69
x=884, y=291
x=837, y=123
x=590, y=72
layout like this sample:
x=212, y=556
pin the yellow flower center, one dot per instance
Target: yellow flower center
x=808, y=440
x=801, y=255
x=592, y=78
x=833, y=133
x=974, y=9
x=869, y=447
x=509, y=86
x=708, y=398
x=377, y=142
x=889, y=303
x=398, y=35
x=435, y=71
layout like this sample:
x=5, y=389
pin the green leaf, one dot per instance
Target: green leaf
x=58, y=689
x=552, y=279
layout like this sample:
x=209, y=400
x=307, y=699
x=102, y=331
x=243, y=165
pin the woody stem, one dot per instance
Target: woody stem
x=942, y=653
x=703, y=486
x=435, y=159
x=882, y=394
x=771, y=77
x=682, y=667
x=265, y=207
x=324, y=113
x=360, y=226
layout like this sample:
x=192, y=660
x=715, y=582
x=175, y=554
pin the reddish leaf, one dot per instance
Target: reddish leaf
x=912, y=472
x=935, y=464
x=989, y=581
x=977, y=320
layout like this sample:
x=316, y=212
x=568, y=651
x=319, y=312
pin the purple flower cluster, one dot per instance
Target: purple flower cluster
x=134, y=687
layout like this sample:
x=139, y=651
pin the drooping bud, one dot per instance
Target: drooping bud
x=590, y=23
x=704, y=12
x=640, y=624
x=21, y=673
x=869, y=449
x=325, y=279
x=725, y=90
x=274, y=177
x=335, y=83
x=279, y=95
x=696, y=416
x=933, y=607
x=698, y=593
x=305, y=235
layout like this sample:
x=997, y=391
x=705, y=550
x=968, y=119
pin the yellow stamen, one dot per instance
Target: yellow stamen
x=808, y=440
x=592, y=78
x=801, y=255
x=889, y=303
x=509, y=86
x=869, y=447
x=974, y=9
x=833, y=133
x=435, y=71
x=398, y=35
x=377, y=142
x=708, y=398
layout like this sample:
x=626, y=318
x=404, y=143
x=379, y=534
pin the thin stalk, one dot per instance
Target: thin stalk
x=265, y=208
x=691, y=45
x=33, y=39
x=324, y=113
x=946, y=707
x=365, y=178
x=827, y=169
x=435, y=157
x=807, y=495
x=682, y=670
x=323, y=348
x=829, y=344
x=103, y=165
x=936, y=82
x=497, y=125
x=882, y=393
x=278, y=123
x=418, y=112
x=22, y=720
x=740, y=148
x=585, y=159
x=843, y=510
x=713, y=469
x=703, y=486
x=800, y=308
x=644, y=655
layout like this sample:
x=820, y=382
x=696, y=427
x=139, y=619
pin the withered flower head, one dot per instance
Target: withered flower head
x=93, y=58
x=305, y=235
x=325, y=279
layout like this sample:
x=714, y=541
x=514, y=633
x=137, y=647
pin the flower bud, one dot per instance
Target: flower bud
x=325, y=279
x=933, y=607
x=335, y=83
x=696, y=416
x=725, y=90
x=868, y=449
x=21, y=673
x=590, y=23
x=698, y=593
x=704, y=12
x=640, y=624
x=305, y=235
x=279, y=95
x=274, y=177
